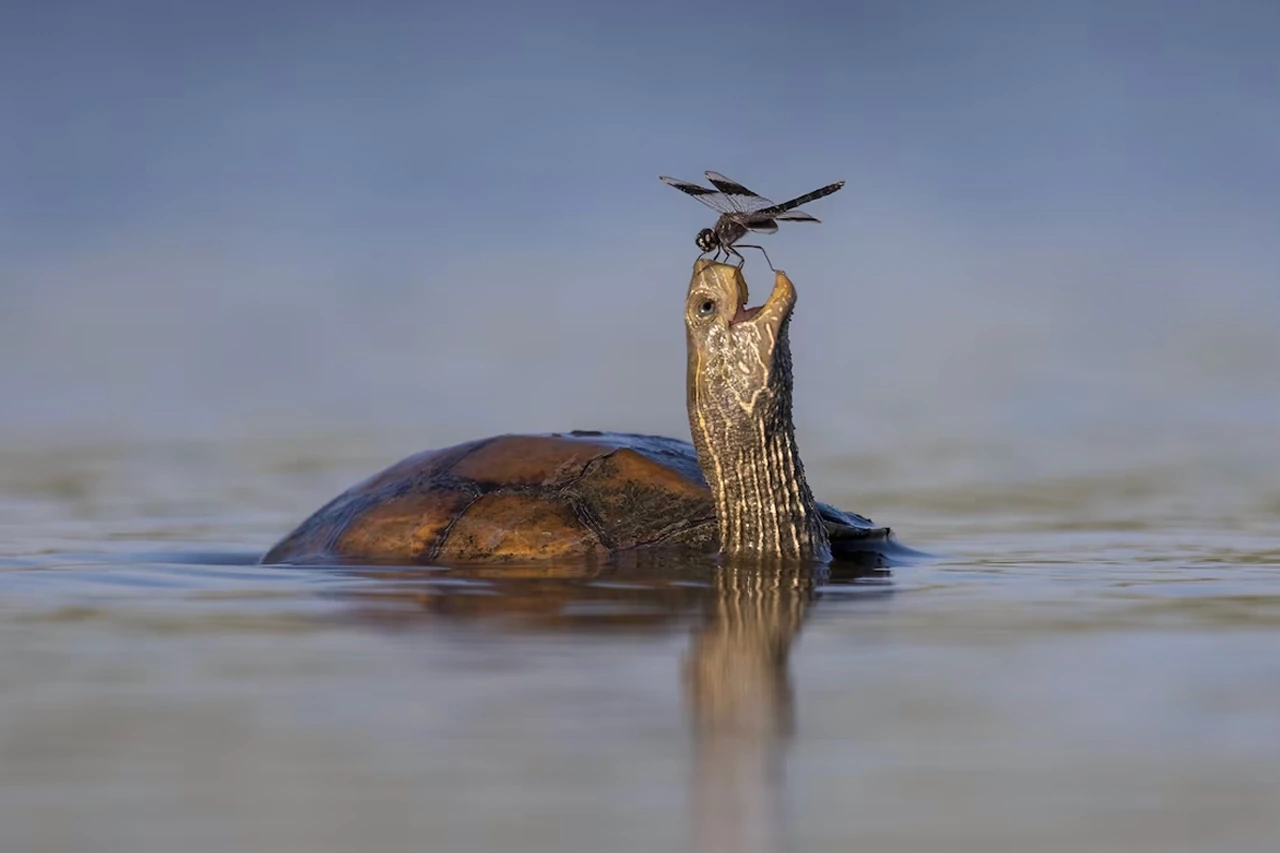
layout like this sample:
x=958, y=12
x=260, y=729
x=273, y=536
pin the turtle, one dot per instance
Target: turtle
x=737, y=490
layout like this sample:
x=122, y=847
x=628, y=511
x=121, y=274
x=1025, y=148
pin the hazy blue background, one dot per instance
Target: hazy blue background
x=218, y=219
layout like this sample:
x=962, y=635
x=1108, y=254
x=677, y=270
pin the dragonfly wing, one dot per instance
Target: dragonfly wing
x=762, y=225
x=795, y=216
x=743, y=199
x=713, y=199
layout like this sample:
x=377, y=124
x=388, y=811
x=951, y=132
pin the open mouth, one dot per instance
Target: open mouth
x=745, y=314
x=775, y=309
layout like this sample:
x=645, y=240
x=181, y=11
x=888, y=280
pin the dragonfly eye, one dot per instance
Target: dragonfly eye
x=706, y=240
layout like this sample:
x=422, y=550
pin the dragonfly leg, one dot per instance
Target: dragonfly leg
x=762, y=251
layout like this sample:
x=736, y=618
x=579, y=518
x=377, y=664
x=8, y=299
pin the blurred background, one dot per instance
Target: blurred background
x=445, y=218
x=252, y=252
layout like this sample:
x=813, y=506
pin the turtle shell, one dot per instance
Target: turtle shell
x=527, y=497
x=515, y=497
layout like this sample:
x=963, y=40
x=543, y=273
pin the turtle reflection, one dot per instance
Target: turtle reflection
x=744, y=618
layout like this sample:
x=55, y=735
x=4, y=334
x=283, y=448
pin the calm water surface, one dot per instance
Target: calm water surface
x=1092, y=662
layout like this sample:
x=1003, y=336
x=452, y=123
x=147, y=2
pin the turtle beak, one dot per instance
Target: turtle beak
x=776, y=309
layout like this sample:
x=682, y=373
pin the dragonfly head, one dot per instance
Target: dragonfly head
x=706, y=240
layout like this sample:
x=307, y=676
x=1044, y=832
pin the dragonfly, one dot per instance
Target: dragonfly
x=742, y=210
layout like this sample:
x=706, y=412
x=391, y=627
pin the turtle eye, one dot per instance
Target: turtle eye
x=707, y=308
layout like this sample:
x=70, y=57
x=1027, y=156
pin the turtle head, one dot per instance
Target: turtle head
x=738, y=355
x=706, y=240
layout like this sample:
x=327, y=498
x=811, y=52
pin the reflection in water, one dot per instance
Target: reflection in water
x=736, y=681
x=738, y=687
x=740, y=703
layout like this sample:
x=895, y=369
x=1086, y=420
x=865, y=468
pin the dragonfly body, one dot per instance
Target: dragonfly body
x=727, y=232
x=742, y=210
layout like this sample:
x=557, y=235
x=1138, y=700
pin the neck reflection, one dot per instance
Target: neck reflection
x=741, y=705
x=740, y=702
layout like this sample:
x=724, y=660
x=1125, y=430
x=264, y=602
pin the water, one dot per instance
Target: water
x=1090, y=663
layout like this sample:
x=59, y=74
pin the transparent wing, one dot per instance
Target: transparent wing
x=742, y=199
x=795, y=216
x=713, y=199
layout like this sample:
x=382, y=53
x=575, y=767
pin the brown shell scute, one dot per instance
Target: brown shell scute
x=510, y=461
x=510, y=526
x=516, y=498
x=406, y=527
x=633, y=496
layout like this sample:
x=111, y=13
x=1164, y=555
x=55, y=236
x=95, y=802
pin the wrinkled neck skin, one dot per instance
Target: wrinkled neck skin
x=746, y=445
